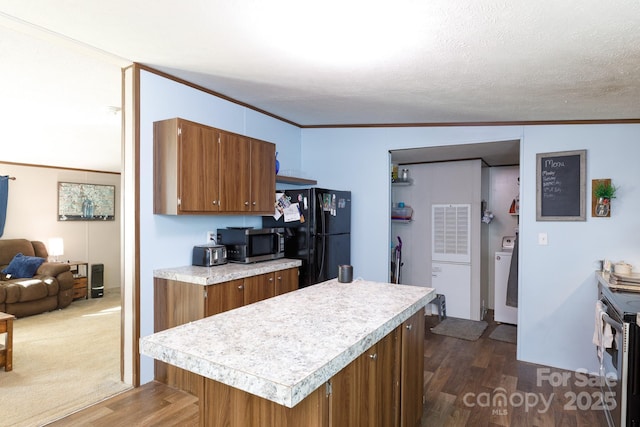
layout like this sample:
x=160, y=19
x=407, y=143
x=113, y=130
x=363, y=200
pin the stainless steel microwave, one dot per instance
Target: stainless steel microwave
x=247, y=245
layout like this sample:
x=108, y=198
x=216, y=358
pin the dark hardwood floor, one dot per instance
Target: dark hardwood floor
x=467, y=382
x=464, y=381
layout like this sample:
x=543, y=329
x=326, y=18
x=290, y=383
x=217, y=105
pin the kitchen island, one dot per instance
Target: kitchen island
x=334, y=353
x=189, y=293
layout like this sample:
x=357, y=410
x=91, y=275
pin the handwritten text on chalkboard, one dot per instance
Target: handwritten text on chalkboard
x=561, y=186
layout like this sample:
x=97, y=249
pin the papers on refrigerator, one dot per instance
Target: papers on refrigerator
x=284, y=207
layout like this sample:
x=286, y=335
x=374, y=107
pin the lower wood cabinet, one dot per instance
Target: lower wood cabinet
x=412, y=370
x=227, y=406
x=257, y=288
x=365, y=392
x=177, y=303
x=382, y=387
x=286, y=280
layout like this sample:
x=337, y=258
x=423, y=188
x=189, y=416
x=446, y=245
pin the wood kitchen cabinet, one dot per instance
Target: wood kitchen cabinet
x=412, y=370
x=381, y=387
x=177, y=303
x=286, y=280
x=247, y=174
x=364, y=393
x=384, y=386
x=235, y=175
x=199, y=169
x=186, y=168
x=257, y=288
x=223, y=297
x=236, y=293
x=263, y=176
x=227, y=406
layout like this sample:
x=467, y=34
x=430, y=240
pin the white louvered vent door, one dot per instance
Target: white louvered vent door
x=451, y=231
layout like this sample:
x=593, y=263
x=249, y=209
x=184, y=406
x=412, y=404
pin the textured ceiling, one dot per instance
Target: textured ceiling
x=375, y=62
x=498, y=153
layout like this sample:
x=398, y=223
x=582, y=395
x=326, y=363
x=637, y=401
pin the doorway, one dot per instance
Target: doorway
x=485, y=175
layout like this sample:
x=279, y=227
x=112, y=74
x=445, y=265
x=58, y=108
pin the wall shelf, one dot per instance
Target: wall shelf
x=282, y=179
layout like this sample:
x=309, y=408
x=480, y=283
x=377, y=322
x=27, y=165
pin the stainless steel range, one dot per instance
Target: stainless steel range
x=620, y=362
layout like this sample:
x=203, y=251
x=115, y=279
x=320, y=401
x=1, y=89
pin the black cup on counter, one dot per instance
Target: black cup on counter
x=345, y=273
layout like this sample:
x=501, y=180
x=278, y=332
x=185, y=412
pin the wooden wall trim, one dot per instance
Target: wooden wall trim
x=57, y=167
x=467, y=124
x=390, y=125
x=136, y=303
x=212, y=92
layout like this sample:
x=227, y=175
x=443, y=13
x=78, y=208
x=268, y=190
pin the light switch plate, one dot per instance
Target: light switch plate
x=542, y=239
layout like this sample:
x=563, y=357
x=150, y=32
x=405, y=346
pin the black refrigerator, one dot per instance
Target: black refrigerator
x=321, y=236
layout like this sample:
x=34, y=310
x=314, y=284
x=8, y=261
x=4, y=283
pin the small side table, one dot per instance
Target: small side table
x=6, y=351
x=80, y=271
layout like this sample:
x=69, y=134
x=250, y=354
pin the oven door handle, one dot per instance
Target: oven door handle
x=615, y=325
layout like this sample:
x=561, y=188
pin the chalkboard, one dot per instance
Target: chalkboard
x=561, y=186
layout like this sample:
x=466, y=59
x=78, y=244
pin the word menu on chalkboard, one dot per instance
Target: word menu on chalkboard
x=561, y=186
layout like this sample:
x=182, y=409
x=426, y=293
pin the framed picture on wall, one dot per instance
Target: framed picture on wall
x=86, y=202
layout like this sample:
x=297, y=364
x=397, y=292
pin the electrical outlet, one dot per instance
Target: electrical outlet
x=211, y=236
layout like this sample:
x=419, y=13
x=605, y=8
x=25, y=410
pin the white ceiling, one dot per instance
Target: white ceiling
x=373, y=62
x=497, y=153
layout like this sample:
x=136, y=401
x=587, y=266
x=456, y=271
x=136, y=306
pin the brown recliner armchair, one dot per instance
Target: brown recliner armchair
x=50, y=288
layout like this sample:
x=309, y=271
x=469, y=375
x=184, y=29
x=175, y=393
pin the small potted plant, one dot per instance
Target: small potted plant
x=604, y=191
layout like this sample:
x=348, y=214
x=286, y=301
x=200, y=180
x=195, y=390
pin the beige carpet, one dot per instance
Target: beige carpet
x=63, y=361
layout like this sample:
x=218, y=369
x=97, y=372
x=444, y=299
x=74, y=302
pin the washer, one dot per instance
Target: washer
x=502, y=312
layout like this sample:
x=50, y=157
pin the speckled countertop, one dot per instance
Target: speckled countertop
x=223, y=273
x=284, y=348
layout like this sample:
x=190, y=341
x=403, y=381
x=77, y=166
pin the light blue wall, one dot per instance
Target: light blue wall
x=557, y=287
x=165, y=240
x=557, y=281
x=358, y=160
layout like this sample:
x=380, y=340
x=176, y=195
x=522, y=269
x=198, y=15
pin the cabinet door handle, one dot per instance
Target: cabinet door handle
x=279, y=278
x=271, y=279
x=254, y=203
x=409, y=326
x=373, y=356
x=240, y=287
x=246, y=203
x=214, y=202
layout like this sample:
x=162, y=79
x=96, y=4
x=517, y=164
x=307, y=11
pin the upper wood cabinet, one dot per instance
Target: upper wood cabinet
x=203, y=170
x=263, y=176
